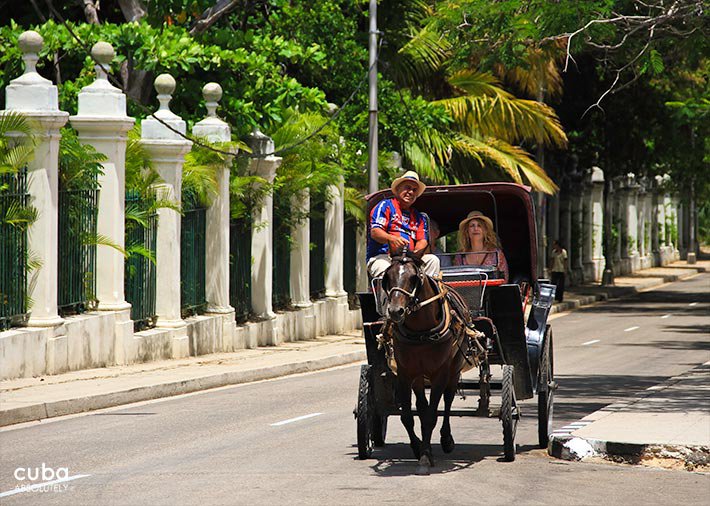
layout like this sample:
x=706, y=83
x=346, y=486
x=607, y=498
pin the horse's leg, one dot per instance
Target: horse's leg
x=404, y=394
x=447, y=440
x=428, y=416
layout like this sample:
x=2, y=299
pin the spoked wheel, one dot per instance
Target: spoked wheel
x=364, y=414
x=545, y=392
x=508, y=414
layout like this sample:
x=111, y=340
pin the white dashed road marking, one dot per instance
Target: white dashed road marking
x=591, y=342
x=666, y=316
x=630, y=329
x=693, y=304
x=297, y=419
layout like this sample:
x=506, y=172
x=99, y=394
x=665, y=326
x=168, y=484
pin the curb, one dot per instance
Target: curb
x=566, y=446
x=65, y=407
x=579, y=449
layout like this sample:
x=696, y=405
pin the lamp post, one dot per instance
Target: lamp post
x=372, y=137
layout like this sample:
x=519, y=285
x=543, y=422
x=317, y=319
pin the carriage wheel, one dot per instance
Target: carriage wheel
x=364, y=415
x=508, y=414
x=546, y=391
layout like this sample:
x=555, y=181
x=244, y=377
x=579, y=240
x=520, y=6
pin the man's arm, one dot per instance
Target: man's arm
x=420, y=245
x=395, y=241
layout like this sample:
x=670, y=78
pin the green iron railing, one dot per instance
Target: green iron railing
x=78, y=212
x=140, y=269
x=13, y=251
x=192, y=259
x=281, y=261
x=317, y=253
x=240, y=268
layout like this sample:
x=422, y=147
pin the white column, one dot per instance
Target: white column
x=588, y=226
x=37, y=99
x=334, y=235
x=167, y=150
x=597, y=229
x=361, y=282
x=262, y=231
x=576, y=225
x=102, y=122
x=215, y=130
x=661, y=219
x=300, y=251
x=617, y=223
x=641, y=221
x=632, y=238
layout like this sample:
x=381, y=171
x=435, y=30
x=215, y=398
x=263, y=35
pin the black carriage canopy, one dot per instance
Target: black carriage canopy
x=509, y=205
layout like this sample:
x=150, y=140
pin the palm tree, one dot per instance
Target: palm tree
x=488, y=124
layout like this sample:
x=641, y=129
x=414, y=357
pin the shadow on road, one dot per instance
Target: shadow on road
x=397, y=459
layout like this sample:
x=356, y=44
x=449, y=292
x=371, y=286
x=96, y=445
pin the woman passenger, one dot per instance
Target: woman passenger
x=479, y=245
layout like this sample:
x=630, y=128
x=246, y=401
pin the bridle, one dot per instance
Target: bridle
x=413, y=303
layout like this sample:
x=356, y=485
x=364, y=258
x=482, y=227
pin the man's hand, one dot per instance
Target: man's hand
x=397, y=242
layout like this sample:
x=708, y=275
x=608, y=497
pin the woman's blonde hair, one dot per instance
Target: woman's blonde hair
x=490, y=240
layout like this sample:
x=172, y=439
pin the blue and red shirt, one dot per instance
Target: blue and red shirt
x=389, y=216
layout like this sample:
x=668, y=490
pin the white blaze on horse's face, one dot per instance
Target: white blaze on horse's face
x=401, y=288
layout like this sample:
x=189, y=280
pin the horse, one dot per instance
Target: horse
x=430, y=339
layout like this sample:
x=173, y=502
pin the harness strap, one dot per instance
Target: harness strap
x=443, y=291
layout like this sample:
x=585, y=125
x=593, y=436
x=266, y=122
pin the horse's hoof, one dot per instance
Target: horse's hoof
x=425, y=463
x=422, y=471
x=447, y=443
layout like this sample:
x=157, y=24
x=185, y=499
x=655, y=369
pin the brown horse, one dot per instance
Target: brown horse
x=428, y=323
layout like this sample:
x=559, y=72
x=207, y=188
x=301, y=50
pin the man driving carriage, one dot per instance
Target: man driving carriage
x=396, y=224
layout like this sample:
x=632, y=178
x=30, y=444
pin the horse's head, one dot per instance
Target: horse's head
x=401, y=281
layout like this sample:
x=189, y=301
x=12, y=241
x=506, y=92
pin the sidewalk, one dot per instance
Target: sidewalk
x=30, y=399
x=667, y=425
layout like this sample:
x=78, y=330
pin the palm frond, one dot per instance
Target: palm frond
x=513, y=160
x=354, y=202
x=506, y=117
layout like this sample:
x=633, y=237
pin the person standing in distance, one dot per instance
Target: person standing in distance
x=395, y=223
x=558, y=268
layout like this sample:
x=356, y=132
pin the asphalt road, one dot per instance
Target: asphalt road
x=292, y=440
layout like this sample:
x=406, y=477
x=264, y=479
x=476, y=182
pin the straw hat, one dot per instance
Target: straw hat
x=475, y=215
x=412, y=176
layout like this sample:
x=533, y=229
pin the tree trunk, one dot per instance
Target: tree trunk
x=133, y=10
x=90, y=11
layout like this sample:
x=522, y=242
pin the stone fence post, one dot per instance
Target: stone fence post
x=588, y=225
x=38, y=100
x=216, y=130
x=262, y=232
x=102, y=122
x=334, y=240
x=213, y=129
x=167, y=150
x=300, y=251
x=597, y=225
x=631, y=210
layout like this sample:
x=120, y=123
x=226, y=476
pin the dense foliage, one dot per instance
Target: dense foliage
x=468, y=88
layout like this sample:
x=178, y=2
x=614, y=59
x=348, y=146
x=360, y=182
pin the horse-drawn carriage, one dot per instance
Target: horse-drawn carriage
x=506, y=326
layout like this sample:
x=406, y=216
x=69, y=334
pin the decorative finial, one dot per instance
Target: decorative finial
x=103, y=55
x=30, y=43
x=165, y=86
x=212, y=93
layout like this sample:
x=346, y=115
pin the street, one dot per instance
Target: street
x=292, y=440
